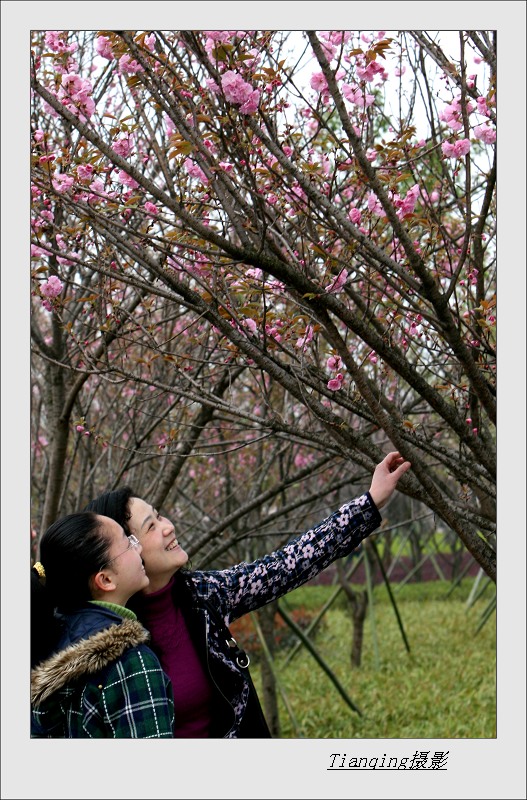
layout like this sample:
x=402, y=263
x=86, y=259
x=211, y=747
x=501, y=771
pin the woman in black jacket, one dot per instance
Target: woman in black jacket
x=187, y=611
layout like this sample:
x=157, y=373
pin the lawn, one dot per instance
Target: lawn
x=444, y=688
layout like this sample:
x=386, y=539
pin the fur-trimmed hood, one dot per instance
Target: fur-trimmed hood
x=84, y=658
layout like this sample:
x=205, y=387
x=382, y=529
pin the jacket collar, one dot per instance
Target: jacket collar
x=84, y=658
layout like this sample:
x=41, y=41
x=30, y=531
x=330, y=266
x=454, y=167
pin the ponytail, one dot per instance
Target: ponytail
x=43, y=624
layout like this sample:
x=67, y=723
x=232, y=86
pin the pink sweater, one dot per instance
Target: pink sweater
x=179, y=659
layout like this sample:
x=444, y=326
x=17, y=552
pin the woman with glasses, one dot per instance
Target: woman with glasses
x=187, y=611
x=93, y=675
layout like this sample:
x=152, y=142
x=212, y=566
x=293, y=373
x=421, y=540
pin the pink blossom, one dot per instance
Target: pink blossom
x=374, y=205
x=407, y=205
x=150, y=208
x=250, y=324
x=79, y=428
x=86, y=107
x=103, y=47
x=451, y=114
x=226, y=166
x=212, y=86
x=368, y=72
x=456, y=150
x=355, y=95
x=150, y=42
x=355, y=216
x=337, y=283
x=329, y=50
x=56, y=42
x=97, y=186
x=84, y=172
x=75, y=95
x=124, y=146
x=127, y=180
x=334, y=384
x=195, y=171
x=52, y=287
x=44, y=215
x=40, y=443
x=75, y=87
x=255, y=273
x=220, y=36
x=251, y=104
x=301, y=460
x=304, y=340
x=240, y=92
x=169, y=125
x=485, y=133
x=53, y=41
x=318, y=82
x=62, y=183
x=482, y=106
x=129, y=66
x=296, y=194
x=333, y=362
x=38, y=135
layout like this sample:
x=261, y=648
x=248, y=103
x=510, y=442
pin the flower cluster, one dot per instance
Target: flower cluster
x=239, y=92
x=50, y=290
x=337, y=283
x=457, y=149
x=357, y=96
x=334, y=363
x=75, y=93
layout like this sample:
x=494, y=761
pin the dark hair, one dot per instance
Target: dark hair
x=71, y=551
x=115, y=505
x=44, y=629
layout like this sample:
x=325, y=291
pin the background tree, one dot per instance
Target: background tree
x=260, y=259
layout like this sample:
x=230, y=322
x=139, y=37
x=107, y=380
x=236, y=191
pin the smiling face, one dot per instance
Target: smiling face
x=123, y=574
x=162, y=554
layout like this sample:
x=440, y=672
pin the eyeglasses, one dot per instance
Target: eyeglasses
x=133, y=542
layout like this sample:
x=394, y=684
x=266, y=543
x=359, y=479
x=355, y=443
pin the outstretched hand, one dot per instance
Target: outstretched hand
x=386, y=477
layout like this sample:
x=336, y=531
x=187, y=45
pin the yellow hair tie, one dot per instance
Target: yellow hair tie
x=39, y=568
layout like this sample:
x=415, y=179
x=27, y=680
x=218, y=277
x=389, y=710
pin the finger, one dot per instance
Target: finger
x=401, y=469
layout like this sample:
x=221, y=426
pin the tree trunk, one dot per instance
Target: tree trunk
x=358, y=605
x=266, y=617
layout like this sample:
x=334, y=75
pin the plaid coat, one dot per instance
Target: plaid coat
x=210, y=600
x=101, y=682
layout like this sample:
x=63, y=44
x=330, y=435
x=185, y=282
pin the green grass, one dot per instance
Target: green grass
x=444, y=688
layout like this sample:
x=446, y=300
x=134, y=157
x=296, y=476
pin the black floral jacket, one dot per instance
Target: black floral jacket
x=210, y=598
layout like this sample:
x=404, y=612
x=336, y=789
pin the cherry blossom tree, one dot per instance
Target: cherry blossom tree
x=261, y=259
